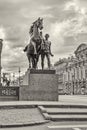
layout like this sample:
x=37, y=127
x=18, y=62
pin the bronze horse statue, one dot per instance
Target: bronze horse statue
x=34, y=47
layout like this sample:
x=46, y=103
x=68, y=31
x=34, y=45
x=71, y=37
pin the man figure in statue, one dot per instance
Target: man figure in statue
x=46, y=51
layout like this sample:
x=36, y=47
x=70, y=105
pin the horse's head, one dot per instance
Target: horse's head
x=39, y=23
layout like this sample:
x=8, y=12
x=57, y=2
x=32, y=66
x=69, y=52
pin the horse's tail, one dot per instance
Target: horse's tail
x=31, y=30
x=29, y=48
x=25, y=49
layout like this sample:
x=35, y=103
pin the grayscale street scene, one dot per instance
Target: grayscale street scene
x=43, y=65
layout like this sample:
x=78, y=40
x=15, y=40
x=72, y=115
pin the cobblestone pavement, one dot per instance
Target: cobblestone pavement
x=14, y=116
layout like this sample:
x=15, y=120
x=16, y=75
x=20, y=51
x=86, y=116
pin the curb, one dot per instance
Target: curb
x=67, y=119
x=46, y=116
x=42, y=109
x=44, y=113
x=23, y=124
x=66, y=106
x=17, y=106
x=47, y=104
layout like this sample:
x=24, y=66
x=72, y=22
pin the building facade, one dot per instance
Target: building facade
x=60, y=67
x=1, y=40
x=73, y=72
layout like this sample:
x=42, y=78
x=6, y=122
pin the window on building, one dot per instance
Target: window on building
x=86, y=55
x=86, y=73
x=81, y=73
x=77, y=72
x=82, y=56
x=68, y=76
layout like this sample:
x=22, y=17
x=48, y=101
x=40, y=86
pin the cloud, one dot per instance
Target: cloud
x=72, y=5
x=75, y=24
x=71, y=31
x=2, y=33
x=64, y=20
x=16, y=58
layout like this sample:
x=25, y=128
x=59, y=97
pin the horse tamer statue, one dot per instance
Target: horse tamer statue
x=34, y=47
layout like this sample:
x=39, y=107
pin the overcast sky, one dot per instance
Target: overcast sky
x=64, y=20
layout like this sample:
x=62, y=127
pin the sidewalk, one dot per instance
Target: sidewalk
x=26, y=113
x=63, y=99
x=21, y=117
x=81, y=99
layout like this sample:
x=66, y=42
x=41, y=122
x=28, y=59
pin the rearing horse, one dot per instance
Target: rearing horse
x=34, y=46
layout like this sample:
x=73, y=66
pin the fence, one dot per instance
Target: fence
x=9, y=93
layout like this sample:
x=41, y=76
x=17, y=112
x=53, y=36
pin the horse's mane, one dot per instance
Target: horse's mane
x=31, y=30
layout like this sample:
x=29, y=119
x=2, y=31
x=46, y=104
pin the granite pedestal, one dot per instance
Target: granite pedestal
x=39, y=85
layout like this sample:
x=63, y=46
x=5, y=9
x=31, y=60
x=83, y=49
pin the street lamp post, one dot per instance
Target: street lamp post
x=19, y=75
x=13, y=78
x=1, y=45
x=73, y=84
x=73, y=87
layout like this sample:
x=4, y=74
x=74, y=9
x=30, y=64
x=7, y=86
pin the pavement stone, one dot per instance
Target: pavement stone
x=66, y=110
x=20, y=117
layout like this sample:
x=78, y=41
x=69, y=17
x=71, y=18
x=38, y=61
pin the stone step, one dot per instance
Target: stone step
x=68, y=117
x=64, y=114
x=62, y=110
x=46, y=104
x=66, y=110
x=67, y=105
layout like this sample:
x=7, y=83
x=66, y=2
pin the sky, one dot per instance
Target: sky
x=64, y=20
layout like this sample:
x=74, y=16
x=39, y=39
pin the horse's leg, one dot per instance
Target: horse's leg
x=30, y=64
x=37, y=59
x=32, y=61
x=29, y=59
